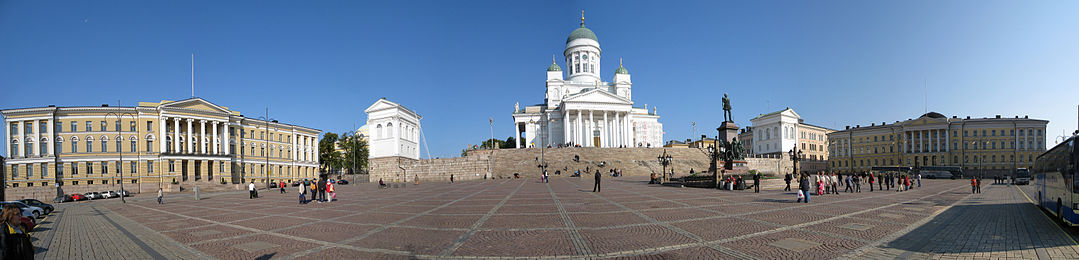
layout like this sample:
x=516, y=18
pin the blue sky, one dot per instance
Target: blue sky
x=458, y=63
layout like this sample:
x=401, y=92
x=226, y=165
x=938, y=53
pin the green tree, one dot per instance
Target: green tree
x=509, y=143
x=329, y=158
x=489, y=143
x=355, y=153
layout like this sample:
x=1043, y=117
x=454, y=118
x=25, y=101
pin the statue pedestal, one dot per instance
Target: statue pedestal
x=728, y=131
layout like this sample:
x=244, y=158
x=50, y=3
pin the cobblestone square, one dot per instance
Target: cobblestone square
x=523, y=218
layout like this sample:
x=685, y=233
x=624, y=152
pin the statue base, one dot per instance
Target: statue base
x=728, y=131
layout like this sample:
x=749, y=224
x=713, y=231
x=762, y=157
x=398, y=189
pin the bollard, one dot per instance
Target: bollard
x=196, y=192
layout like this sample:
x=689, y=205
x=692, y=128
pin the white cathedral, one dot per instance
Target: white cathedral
x=583, y=110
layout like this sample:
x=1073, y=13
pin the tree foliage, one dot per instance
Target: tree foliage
x=328, y=157
x=355, y=154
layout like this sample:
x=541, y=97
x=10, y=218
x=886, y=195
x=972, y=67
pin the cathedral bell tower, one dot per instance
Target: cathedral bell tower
x=582, y=55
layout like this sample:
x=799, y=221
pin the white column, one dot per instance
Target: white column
x=565, y=127
x=591, y=128
x=606, y=132
x=225, y=145
x=37, y=138
x=51, y=143
x=578, y=128
x=517, y=134
x=202, y=136
x=175, y=135
x=161, y=134
x=188, y=143
x=215, y=149
x=617, y=130
x=921, y=141
x=7, y=142
x=22, y=138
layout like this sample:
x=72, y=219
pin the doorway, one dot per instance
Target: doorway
x=595, y=139
x=183, y=170
x=198, y=170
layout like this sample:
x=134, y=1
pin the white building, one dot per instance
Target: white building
x=778, y=132
x=584, y=110
x=394, y=130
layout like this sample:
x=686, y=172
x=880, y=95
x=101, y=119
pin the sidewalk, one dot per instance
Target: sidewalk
x=1001, y=222
x=92, y=231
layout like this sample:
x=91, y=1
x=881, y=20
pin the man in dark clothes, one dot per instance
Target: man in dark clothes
x=787, y=179
x=757, y=182
x=803, y=185
x=322, y=190
x=880, y=181
x=596, y=188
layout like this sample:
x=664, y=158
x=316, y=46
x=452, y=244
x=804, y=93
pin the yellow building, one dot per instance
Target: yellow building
x=189, y=142
x=979, y=146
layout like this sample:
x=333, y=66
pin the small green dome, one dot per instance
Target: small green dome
x=554, y=67
x=621, y=70
x=582, y=32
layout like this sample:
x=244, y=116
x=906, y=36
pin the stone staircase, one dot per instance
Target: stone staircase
x=632, y=161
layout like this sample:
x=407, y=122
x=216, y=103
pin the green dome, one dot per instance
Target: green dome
x=582, y=33
x=554, y=67
x=621, y=70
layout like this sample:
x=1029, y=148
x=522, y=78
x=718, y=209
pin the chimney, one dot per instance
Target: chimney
x=968, y=117
x=998, y=116
x=1025, y=117
x=954, y=117
x=55, y=106
x=872, y=124
x=104, y=105
x=848, y=127
x=857, y=126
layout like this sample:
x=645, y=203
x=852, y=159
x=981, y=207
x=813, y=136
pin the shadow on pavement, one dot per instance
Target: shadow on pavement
x=967, y=228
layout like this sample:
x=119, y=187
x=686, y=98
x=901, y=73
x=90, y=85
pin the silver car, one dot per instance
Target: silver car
x=34, y=211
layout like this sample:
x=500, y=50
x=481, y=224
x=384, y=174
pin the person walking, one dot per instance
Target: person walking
x=313, y=187
x=545, y=176
x=850, y=184
x=979, y=184
x=321, y=190
x=871, y=179
x=857, y=184
x=820, y=184
x=756, y=182
x=303, y=192
x=803, y=185
x=160, y=196
x=596, y=187
x=333, y=193
x=281, y=185
x=880, y=181
x=451, y=178
x=973, y=185
x=14, y=239
x=251, y=190
x=787, y=179
x=835, y=184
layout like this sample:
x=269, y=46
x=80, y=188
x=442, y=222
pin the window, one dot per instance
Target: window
x=134, y=166
x=90, y=182
x=983, y=133
x=104, y=145
x=89, y=126
x=104, y=128
x=59, y=146
x=149, y=145
x=74, y=169
x=60, y=171
x=149, y=166
x=133, y=126
x=221, y=166
x=117, y=127
x=118, y=143
x=1039, y=132
x=14, y=171
x=1021, y=132
x=28, y=128
x=43, y=128
x=133, y=148
x=29, y=148
x=15, y=129
x=29, y=171
x=89, y=168
x=172, y=166
x=104, y=167
x=1012, y=132
x=149, y=126
x=74, y=126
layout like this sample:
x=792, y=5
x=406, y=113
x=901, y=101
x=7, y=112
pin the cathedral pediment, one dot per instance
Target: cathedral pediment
x=598, y=96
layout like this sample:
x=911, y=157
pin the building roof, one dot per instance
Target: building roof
x=582, y=32
x=554, y=67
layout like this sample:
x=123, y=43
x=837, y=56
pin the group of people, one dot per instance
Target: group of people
x=829, y=183
x=319, y=190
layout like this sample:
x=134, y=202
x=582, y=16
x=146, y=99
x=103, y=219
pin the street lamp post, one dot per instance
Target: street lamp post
x=266, y=142
x=795, y=155
x=665, y=160
x=543, y=161
x=119, y=119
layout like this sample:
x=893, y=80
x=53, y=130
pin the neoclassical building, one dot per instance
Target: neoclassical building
x=776, y=133
x=581, y=109
x=190, y=141
x=980, y=146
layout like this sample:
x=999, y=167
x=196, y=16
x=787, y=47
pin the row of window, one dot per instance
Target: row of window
x=43, y=127
x=933, y=160
x=75, y=166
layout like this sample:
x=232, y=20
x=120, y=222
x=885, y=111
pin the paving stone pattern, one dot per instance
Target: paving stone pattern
x=527, y=219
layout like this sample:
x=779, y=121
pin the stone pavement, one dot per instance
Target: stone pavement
x=523, y=218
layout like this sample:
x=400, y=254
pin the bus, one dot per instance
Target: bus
x=1056, y=181
x=941, y=172
x=1021, y=177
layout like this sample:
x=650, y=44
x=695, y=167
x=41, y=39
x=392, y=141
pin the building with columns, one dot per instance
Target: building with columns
x=188, y=142
x=985, y=146
x=394, y=130
x=580, y=109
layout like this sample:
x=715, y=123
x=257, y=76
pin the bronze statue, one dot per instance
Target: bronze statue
x=727, y=117
x=738, y=149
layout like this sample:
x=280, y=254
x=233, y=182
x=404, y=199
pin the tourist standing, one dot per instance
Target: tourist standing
x=857, y=183
x=313, y=187
x=15, y=240
x=787, y=179
x=757, y=182
x=820, y=184
x=281, y=184
x=880, y=181
x=871, y=179
x=303, y=193
x=803, y=185
x=451, y=178
x=979, y=184
x=919, y=180
x=596, y=187
x=160, y=196
x=321, y=190
x=850, y=184
x=251, y=190
x=973, y=185
x=835, y=184
x=333, y=193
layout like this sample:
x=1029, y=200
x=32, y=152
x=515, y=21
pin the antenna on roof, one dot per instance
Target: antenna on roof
x=925, y=92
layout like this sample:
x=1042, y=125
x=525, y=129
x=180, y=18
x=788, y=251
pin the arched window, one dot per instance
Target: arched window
x=378, y=132
x=14, y=145
x=389, y=130
x=43, y=146
x=89, y=144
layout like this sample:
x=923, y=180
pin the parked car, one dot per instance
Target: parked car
x=937, y=175
x=123, y=193
x=110, y=194
x=78, y=197
x=36, y=212
x=37, y=203
x=62, y=199
x=28, y=220
x=342, y=182
x=94, y=195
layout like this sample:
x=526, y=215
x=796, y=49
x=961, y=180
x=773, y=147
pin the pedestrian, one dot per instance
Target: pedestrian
x=303, y=192
x=15, y=239
x=313, y=187
x=757, y=182
x=545, y=180
x=858, y=183
x=451, y=178
x=888, y=181
x=919, y=180
x=850, y=184
x=281, y=184
x=880, y=181
x=871, y=182
x=787, y=179
x=333, y=193
x=596, y=187
x=321, y=190
x=835, y=184
x=979, y=184
x=251, y=190
x=160, y=196
x=973, y=185
x=820, y=184
x=803, y=185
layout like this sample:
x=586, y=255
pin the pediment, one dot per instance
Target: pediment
x=196, y=104
x=598, y=96
x=380, y=105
